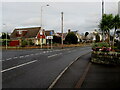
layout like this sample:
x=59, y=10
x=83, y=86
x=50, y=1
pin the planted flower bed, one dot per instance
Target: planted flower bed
x=103, y=54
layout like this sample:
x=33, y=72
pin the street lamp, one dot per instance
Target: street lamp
x=41, y=23
x=62, y=28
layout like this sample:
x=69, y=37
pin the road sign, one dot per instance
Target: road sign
x=49, y=37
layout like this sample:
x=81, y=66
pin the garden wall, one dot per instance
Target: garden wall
x=105, y=57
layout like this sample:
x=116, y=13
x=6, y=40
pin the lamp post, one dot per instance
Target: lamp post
x=41, y=33
x=102, y=18
x=62, y=28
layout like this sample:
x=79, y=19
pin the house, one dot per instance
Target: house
x=36, y=34
x=49, y=32
x=60, y=35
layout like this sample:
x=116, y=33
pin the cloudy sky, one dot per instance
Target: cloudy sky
x=82, y=16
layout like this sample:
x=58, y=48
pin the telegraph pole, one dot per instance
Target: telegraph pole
x=62, y=28
x=102, y=7
x=6, y=40
x=102, y=18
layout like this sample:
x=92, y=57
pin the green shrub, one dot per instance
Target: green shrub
x=24, y=43
x=100, y=45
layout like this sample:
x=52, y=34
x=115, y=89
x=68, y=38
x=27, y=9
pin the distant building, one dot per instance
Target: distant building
x=60, y=35
x=119, y=7
x=31, y=33
x=49, y=32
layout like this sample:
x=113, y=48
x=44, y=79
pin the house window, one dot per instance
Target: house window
x=20, y=32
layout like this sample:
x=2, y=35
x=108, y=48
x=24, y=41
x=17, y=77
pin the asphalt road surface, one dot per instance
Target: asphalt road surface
x=36, y=68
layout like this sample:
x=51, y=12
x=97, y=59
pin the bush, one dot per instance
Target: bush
x=71, y=38
x=103, y=46
x=24, y=43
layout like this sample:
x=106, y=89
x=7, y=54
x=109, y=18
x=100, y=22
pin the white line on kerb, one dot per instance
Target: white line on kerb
x=18, y=66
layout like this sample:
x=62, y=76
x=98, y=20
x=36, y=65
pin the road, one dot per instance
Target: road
x=36, y=68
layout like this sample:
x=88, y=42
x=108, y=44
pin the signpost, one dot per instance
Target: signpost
x=50, y=38
x=41, y=33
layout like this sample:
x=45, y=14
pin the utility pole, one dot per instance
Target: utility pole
x=102, y=18
x=102, y=7
x=6, y=40
x=62, y=28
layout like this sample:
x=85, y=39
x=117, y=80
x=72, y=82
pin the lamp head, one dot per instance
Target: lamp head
x=47, y=5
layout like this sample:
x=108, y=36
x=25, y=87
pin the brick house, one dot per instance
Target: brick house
x=32, y=33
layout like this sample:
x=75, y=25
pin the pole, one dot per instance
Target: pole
x=51, y=43
x=102, y=18
x=6, y=40
x=62, y=28
x=102, y=7
x=41, y=23
x=41, y=27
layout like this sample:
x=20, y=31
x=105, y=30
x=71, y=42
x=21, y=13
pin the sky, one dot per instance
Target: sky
x=80, y=15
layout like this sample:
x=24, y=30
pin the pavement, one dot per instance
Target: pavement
x=84, y=74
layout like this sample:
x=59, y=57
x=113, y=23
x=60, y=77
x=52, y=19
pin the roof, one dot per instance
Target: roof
x=48, y=32
x=29, y=32
x=64, y=34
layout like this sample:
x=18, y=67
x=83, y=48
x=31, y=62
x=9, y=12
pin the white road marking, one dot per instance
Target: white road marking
x=9, y=59
x=2, y=60
x=15, y=57
x=31, y=54
x=18, y=66
x=69, y=51
x=21, y=56
x=44, y=52
x=36, y=53
x=54, y=55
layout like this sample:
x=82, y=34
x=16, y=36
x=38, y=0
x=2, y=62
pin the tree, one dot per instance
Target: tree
x=86, y=33
x=71, y=38
x=97, y=38
x=56, y=39
x=116, y=25
x=106, y=24
x=5, y=38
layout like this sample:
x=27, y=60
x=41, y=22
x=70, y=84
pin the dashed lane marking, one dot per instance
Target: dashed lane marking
x=15, y=57
x=18, y=66
x=54, y=55
x=21, y=56
x=9, y=59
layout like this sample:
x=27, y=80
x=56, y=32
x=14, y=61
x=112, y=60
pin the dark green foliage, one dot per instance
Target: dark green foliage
x=4, y=36
x=56, y=39
x=5, y=39
x=100, y=45
x=24, y=43
x=97, y=38
x=71, y=38
x=86, y=33
x=31, y=42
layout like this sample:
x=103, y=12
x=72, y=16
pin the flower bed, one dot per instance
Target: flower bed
x=105, y=57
